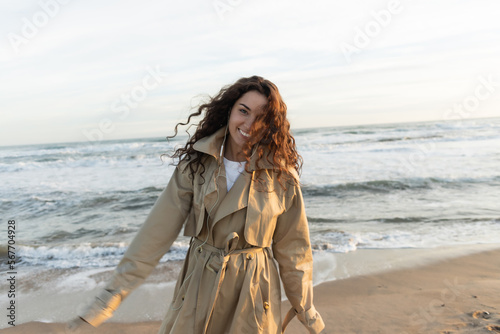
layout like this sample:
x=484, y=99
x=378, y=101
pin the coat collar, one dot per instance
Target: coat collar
x=211, y=145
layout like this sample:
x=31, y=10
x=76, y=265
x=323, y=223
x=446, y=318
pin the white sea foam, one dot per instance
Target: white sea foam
x=325, y=238
x=87, y=255
x=80, y=281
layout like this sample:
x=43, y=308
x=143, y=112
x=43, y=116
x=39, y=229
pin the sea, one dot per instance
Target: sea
x=390, y=188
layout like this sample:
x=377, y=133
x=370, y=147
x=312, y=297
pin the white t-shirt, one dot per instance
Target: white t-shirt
x=233, y=170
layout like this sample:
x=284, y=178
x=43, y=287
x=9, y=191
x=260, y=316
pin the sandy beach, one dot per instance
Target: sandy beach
x=458, y=295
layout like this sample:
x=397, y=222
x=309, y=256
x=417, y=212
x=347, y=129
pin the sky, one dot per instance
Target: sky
x=96, y=70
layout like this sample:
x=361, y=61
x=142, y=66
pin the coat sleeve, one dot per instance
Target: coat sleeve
x=159, y=231
x=292, y=250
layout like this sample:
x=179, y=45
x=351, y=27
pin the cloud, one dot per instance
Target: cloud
x=90, y=53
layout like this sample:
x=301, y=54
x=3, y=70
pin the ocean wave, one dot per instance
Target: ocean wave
x=75, y=204
x=85, y=255
x=381, y=140
x=438, y=221
x=377, y=234
x=387, y=139
x=4, y=253
x=323, y=220
x=336, y=237
x=386, y=186
x=395, y=135
x=407, y=220
x=334, y=241
x=63, y=235
x=75, y=155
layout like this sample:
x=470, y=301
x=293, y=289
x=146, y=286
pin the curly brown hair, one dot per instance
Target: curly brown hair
x=270, y=133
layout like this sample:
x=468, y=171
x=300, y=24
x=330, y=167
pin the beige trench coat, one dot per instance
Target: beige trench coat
x=229, y=282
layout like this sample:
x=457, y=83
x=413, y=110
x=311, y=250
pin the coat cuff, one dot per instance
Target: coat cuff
x=103, y=307
x=312, y=320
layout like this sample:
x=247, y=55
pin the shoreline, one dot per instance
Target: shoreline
x=448, y=296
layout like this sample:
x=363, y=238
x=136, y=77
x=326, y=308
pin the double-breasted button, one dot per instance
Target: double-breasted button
x=266, y=305
x=199, y=249
x=249, y=256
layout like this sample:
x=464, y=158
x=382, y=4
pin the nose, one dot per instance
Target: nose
x=249, y=122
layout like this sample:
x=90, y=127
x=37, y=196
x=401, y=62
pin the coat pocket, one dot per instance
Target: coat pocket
x=260, y=310
x=180, y=296
x=182, y=286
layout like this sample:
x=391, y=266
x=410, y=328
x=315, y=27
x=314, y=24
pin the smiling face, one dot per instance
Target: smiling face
x=242, y=116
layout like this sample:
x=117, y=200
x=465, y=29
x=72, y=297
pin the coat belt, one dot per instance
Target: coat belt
x=216, y=262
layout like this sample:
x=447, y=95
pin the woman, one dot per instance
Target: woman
x=236, y=192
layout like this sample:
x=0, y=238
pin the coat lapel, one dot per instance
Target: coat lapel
x=211, y=146
x=211, y=194
x=216, y=192
x=236, y=199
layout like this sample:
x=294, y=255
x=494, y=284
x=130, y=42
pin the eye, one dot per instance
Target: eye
x=243, y=111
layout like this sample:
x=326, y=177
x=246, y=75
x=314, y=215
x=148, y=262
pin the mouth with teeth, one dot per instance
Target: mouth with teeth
x=244, y=134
